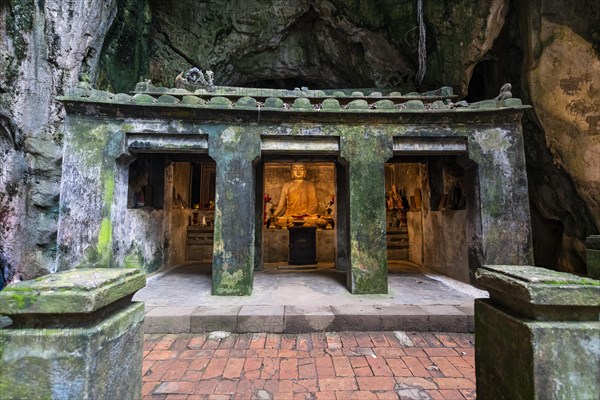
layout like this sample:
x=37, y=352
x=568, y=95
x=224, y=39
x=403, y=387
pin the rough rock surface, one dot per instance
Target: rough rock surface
x=44, y=46
x=324, y=44
x=551, y=57
x=561, y=66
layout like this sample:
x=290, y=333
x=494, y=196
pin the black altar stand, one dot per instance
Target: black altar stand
x=303, y=245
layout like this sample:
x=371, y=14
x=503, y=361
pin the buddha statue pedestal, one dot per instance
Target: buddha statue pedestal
x=302, y=245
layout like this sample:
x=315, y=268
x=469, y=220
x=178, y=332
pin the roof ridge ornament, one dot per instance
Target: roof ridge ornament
x=195, y=79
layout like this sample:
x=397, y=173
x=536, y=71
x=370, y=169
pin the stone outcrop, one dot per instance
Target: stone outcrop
x=336, y=43
x=561, y=79
x=44, y=46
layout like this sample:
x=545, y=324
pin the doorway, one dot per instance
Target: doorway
x=426, y=215
x=299, y=220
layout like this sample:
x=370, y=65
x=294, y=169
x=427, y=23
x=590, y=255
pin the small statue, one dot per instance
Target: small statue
x=394, y=199
x=194, y=79
x=505, y=92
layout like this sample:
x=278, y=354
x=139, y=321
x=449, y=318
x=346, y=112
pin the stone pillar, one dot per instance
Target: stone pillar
x=74, y=335
x=366, y=151
x=234, y=150
x=538, y=335
x=592, y=255
x=503, y=194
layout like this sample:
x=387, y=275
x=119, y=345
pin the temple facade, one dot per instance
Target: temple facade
x=160, y=177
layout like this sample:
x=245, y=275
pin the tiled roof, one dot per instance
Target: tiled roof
x=297, y=100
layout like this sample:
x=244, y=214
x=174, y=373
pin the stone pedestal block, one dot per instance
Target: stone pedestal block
x=74, y=335
x=538, y=336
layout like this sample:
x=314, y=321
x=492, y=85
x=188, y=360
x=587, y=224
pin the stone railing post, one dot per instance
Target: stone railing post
x=538, y=335
x=74, y=335
x=592, y=255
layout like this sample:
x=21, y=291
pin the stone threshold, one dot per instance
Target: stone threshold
x=306, y=319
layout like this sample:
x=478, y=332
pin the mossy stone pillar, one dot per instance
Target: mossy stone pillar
x=234, y=150
x=592, y=255
x=538, y=335
x=74, y=335
x=505, y=221
x=366, y=151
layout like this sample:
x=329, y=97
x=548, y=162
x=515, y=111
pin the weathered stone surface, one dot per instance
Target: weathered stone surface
x=122, y=98
x=101, y=95
x=592, y=256
x=414, y=105
x=261, y=319
x=100, y=360
x=384, y=105
x=593, y=242
x=330, y=104
x=167, y=99
x=45, y=194
x=368, y=249
x=210, y=319
x=191, y=100
x=246, y=102
x=372, y=39
x=168, y=320
x=358, y=105
x=143, y=98
x=234, y=149
x=559, y=132
x=501, y=171
x=517, y=358
x=302, y=103
x=260, y=42
x=521, y=286
x=273, y=102
x=402, y=318
x=220, y=101
x=446, y=319
x=71, y=292
x=308, y=319
x=348, y=318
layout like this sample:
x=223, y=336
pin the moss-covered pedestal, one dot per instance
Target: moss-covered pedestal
x=74, y=335
x=538, y=336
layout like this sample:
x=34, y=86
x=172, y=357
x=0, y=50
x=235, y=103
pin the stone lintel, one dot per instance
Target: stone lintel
x=540, y=293
x=430, y=145
x=167, y=143
x=295, y=144
x=78, y=291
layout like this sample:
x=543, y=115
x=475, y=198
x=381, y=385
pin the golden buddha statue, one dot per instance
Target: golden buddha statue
x=298, y=201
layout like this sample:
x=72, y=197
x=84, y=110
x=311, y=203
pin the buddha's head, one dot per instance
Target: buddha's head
x=298, y=171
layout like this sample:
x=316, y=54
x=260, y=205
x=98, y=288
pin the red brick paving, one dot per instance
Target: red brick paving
x=330, y=366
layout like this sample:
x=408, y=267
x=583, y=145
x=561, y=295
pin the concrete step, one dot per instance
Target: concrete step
x=306, y=319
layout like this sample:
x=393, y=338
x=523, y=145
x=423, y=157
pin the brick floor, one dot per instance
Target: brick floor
x=336, y=366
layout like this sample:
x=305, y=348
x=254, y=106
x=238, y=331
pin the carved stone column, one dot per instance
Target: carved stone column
x=501, y=181
x=366, y=150
x=234, y=150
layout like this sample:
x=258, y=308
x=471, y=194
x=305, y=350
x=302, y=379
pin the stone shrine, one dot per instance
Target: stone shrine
x=164, y=175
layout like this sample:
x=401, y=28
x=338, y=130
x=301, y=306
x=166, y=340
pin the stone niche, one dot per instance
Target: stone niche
x=426, y=219
x=276, y=240
x=170, y=197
